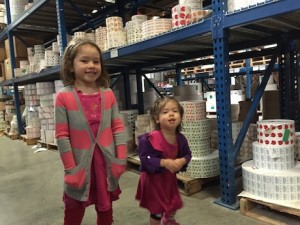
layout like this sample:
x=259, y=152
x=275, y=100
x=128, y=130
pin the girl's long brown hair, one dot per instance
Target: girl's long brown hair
x=70, y=53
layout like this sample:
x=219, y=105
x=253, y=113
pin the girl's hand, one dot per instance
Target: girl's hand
x=173, y=165
x=75, y=180
x=169, y=165
x=117, y=170
x=179, y=163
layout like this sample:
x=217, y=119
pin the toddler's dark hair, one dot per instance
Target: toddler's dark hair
x=158, y=105
x=70, y=53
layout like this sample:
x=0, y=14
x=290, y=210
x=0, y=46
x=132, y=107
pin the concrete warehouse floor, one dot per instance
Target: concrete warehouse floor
x=31, y=194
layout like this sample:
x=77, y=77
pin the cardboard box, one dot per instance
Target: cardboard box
x=20, y=46
x=2, y=71
x=2, y=54
x=7, y=66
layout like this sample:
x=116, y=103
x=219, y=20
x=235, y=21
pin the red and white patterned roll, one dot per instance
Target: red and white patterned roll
x=276, y=132
x=114, y=23
x=193, y=110
x=297, y=145
x=197, y=15
x=181, y=16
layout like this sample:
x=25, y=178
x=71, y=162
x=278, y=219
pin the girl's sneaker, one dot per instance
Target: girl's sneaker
x=165, y=221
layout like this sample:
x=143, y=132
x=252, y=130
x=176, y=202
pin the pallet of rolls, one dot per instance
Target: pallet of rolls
x=28, y=141
x=262, y=60
x=49, y=146
x=12, y=136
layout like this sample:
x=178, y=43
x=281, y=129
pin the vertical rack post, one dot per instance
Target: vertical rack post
x=289, y=82
x=178, y=76
x=222, y=85
x=139, y=91
x=248, y=79
x=13, y=65
x=62, y=32
x=127, y=88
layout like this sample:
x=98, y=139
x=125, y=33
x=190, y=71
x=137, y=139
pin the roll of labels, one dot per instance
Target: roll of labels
x=273, y=173
x=196, y=128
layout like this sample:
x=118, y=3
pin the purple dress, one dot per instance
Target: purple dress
x=157, y=189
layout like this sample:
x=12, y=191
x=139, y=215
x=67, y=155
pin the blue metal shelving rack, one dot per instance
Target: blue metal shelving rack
x=212, y=36
x=220, y=31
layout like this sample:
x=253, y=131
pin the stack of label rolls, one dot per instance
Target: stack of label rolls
x=273, y=173
x=196, y=128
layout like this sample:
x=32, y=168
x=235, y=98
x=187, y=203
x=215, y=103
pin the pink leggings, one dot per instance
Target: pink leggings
x=74, y=216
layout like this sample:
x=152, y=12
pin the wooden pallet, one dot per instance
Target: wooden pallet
x=262, y=60
x=12, y=136
x=206, y=70
x=187, y=185
x=269, y=213
x=196, y=70
x=237, y=64
x=29, y=141
x=49, y=146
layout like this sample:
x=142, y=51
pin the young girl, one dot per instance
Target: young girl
x=163, y=153
x=90, y=135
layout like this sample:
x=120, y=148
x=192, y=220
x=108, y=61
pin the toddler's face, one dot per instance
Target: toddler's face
x=169, y=117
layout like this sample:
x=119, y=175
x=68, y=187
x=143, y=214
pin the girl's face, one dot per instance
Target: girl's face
x=87, y=65
x=169, y=117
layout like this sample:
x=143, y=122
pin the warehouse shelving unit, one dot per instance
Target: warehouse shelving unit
x=273, y=22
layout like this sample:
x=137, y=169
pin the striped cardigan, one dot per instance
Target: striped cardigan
x=76, y=142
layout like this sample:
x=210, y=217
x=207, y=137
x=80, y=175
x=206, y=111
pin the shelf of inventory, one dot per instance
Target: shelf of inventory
x=256, y=26
x=272, y=22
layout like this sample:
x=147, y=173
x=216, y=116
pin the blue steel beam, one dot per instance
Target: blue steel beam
x=102, y=16
x=257, y=96
x=77, y=9
x=222, y=85
x=289, y=77
x=152, y=85
x=166, y=38
x=178, y=76
x=11, y=25
x=248, y=79
x=12, y=66
x=61, y=25
x=52, y=72
x=274, y=8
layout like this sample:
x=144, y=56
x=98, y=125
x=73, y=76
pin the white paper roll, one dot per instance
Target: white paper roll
x=273, y=157
x=203, y=167
x=283, y=185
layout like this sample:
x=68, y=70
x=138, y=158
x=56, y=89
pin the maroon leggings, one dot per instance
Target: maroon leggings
x=74, y=216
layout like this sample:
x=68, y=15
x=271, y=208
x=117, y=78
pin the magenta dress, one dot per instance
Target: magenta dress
x=99, y=194
x=158, y=192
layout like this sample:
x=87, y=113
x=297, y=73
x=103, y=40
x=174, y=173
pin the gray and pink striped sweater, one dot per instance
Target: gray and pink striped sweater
x=76, y=142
